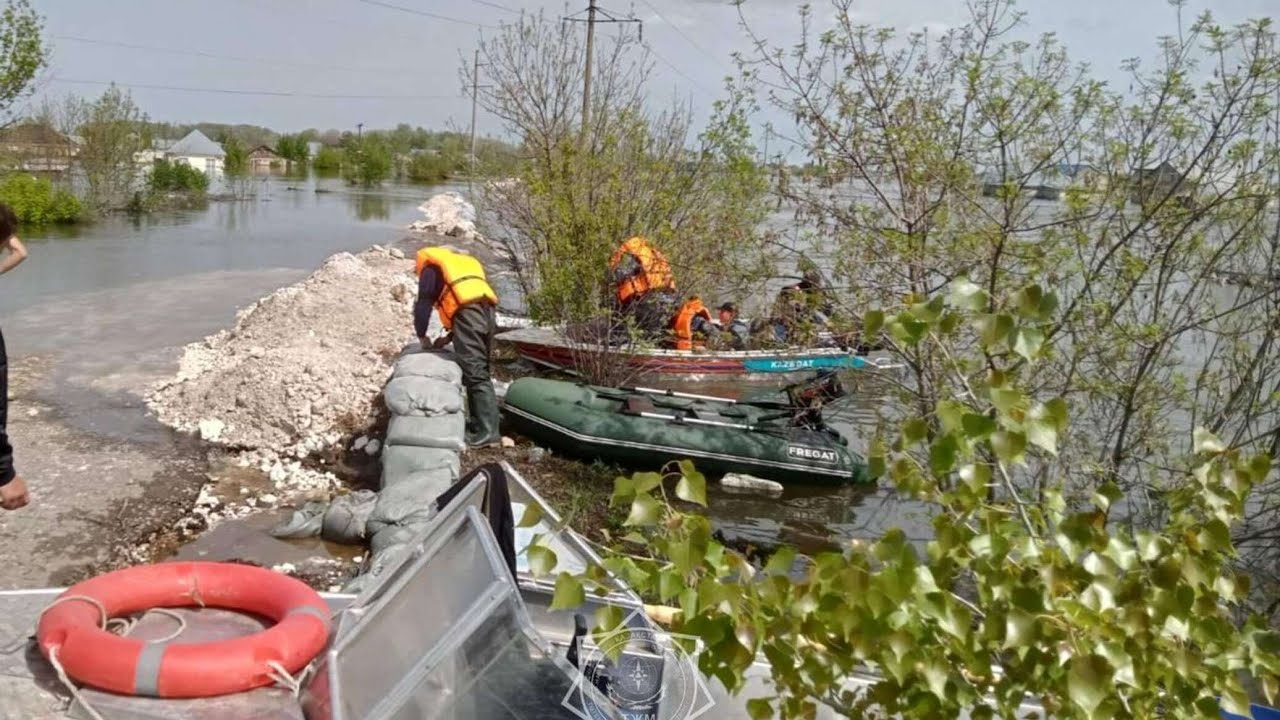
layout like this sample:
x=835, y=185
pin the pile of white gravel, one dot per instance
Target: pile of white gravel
x=301, y=370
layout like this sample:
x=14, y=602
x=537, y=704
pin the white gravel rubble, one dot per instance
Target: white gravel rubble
x=447, y=213
x=302, y=367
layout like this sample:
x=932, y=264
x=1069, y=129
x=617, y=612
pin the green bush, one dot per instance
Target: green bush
x=38, y=202
x=327, y=159
x=169, y=176
x=430, y=167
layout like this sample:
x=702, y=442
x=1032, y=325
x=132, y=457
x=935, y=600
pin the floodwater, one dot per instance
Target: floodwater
x=114, y=301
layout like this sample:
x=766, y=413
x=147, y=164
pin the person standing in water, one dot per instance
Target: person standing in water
x=13, y=491
x=454, y=284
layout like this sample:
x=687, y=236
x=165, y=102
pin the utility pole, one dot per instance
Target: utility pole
x=593, y=11
x=475, y=99
x=359, y=130
x=586, y=75
x=475, y=95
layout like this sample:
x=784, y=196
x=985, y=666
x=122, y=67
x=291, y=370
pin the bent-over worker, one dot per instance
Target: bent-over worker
x=455, y=285
x=644, y=285
x=13, y=491
x=692, y=325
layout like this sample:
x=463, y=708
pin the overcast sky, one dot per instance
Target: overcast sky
x=408, y=62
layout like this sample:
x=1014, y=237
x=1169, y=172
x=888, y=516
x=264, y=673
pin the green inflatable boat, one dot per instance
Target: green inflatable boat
x=783, y=440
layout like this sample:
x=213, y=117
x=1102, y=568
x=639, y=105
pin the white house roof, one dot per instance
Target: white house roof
x=197, y=144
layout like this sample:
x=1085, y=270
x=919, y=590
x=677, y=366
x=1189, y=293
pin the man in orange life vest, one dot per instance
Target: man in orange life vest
x=692, y=325
x=644, y=286
x=455, y=286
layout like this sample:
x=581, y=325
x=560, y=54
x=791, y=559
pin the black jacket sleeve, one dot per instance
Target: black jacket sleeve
x=430, y=285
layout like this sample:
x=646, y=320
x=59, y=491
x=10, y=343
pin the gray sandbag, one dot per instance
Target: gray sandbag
x=304, y=523
x=390, y=537
x=346, y=520
x=411, y=502
x=443, y=431
x=401, y=461
x=428, y=365
x=422, y=396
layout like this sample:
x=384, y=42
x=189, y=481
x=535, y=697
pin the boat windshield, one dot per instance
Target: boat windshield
x=445, y=635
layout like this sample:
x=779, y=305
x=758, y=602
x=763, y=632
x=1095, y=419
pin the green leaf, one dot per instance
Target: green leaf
x=670, y=583
x=644, y=511
x=1009, y=446
x=936, y=672
x=994, y=329
x=1088, y=681
x=1028, y=343
x=692, y=486
x=1035, y=304
x=569, y=593
x=978, y=426
x=1043, y=436
x=624, y=489
x=965, y=294
x=930, y=311
x=1007, y=400
x=609, y=625
x=760, y=709
x=542, y=560
x=646, y=481
x=1207, y=442
x=976, y=477
x=1215, y=536
x=951, y=415
x=1020, y=629
x=942, y=454
x=781, y=562
x=872, y=323
x=1055, y=412
x=910, y=330
x=914, y=430
x=531, y=515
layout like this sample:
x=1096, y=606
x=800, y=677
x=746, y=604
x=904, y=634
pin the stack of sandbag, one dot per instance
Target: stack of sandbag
x=419, y=463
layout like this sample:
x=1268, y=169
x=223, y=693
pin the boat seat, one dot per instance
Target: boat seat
x=700, y=414
x=636, y=405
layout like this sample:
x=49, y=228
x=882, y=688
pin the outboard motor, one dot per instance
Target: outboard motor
x=808, y=398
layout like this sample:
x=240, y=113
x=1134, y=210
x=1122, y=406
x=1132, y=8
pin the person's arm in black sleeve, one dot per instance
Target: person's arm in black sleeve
x=430, y=284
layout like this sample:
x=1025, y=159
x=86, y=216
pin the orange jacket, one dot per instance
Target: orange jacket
x=655, y=271
x=464, y=281
x=682, y=326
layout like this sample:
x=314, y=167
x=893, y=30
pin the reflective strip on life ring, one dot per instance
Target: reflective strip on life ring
x=129, y=666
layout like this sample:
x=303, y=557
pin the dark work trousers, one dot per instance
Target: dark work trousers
x=474, y=326
x=6, y=450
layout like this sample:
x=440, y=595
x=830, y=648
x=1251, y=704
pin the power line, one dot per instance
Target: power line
x=261, y=93
x=233, y=58
x=678, y=71
x=497, y=6
x=682, y=34
x=425, y=13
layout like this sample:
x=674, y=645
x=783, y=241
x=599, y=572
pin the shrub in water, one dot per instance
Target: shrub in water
x=37, y=202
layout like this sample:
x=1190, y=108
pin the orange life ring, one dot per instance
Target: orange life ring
x=128, y=666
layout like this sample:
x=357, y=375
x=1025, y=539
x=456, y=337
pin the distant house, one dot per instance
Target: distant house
x=198, y=151
x=1160, y=182
x=313, y=148
x=263, y=158
x=37, y=147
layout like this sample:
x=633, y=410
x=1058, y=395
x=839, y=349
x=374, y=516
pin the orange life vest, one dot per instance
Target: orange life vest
x=655, y=271
x=683, y=324
x=464, y=281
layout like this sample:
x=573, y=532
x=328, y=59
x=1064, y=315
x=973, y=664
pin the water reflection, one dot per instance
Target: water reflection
x=371, y=207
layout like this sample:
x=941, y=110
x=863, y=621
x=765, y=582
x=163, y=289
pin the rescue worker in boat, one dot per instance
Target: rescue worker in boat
x=454, y=285
x=644, y=286
x=734, y=332
x=692, y=325
x=802, y=309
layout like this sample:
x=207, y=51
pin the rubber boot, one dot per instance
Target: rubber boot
x=482, y=416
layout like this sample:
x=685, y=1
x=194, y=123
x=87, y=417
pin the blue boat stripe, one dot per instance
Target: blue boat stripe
x=691, y=453
x=146, y=674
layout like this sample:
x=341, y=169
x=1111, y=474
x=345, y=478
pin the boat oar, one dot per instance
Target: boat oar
x=709, y=398
x=699, y=421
